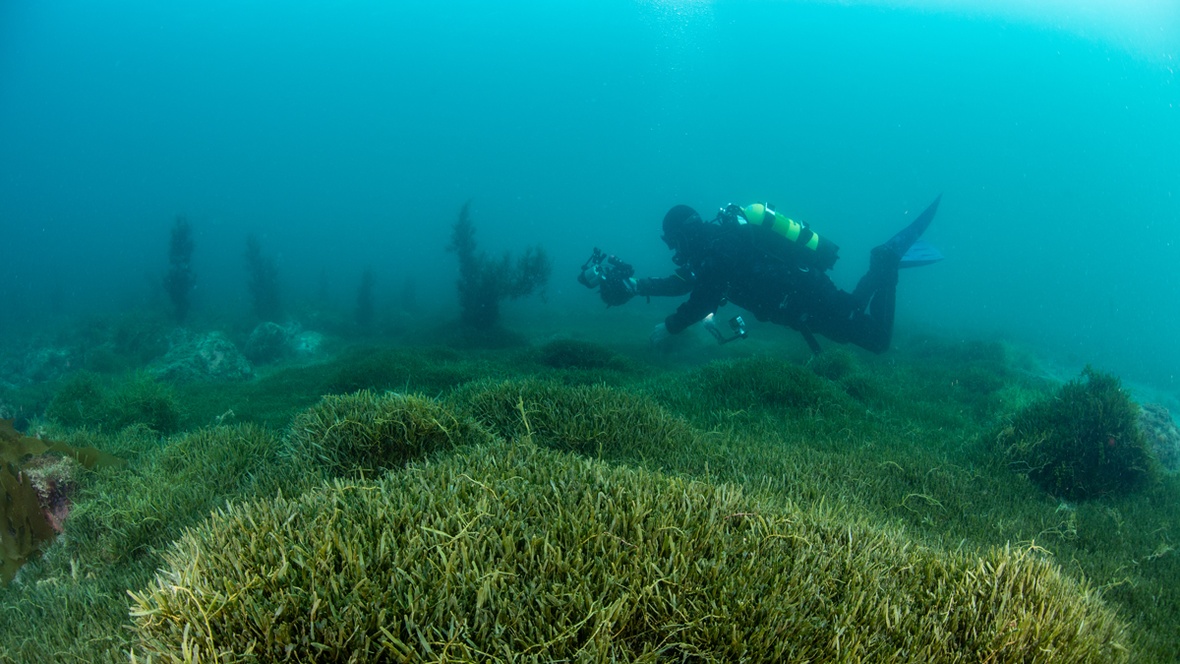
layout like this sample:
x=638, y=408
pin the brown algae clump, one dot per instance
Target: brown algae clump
x=1083, y=442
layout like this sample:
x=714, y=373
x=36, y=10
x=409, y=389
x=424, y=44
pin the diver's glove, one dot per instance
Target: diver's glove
x=618, y=291
x=659, y=334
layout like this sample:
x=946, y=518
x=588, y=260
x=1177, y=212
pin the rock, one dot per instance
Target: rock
x=53, y=478
x=38, y=365
x=1162, y=433
x=37, y=478
x=269, y=342
x=49, y=363
x=307, y=344
x=208, y=357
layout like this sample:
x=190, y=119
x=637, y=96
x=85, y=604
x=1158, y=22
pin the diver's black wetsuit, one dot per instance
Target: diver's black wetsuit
x=743, y=265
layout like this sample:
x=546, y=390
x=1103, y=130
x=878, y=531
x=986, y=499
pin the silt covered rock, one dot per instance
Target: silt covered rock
x=208, y=357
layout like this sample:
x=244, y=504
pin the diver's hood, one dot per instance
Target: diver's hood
x=690, y=243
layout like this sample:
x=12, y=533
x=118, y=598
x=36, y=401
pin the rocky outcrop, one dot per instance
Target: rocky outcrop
x=205, y=357
x=1162, y=433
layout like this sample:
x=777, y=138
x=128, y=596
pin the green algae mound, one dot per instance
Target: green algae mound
x=576, y=354
x=86, y=400
x=517, y=553
x=364, y=432
x=172, y=484
x=593, y=420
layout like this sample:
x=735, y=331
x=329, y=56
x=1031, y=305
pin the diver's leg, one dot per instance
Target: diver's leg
x=882, y=275
x=863, y=317
x=882, y=307
x=875, y=302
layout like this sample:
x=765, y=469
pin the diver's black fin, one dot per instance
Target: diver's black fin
x=920, y=253
x=900, y=244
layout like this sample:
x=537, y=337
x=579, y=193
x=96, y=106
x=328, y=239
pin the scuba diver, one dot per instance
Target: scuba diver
x=773, y=267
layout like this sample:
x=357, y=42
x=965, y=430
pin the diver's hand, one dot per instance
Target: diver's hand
x=659, y=334
x=616, y=292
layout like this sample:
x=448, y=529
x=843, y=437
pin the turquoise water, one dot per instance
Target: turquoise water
x=348, y=134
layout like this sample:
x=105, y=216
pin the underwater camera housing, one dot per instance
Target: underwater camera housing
x=609, y=274
x=737, y=324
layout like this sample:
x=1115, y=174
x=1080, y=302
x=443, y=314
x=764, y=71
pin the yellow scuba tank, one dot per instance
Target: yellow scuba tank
x=815, y=250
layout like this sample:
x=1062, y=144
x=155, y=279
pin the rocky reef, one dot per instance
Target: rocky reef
x=207, y=357
x=1161, y=432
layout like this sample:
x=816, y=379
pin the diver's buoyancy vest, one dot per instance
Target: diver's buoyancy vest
x=802, y=243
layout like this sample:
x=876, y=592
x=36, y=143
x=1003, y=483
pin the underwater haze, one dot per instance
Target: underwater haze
x=347, y=135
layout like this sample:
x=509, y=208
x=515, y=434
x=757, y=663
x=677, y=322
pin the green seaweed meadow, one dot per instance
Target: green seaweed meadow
x=574, y=499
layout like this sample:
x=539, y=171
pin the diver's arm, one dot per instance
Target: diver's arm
x=704, y=300
x=663, y=287
x=680, y=283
